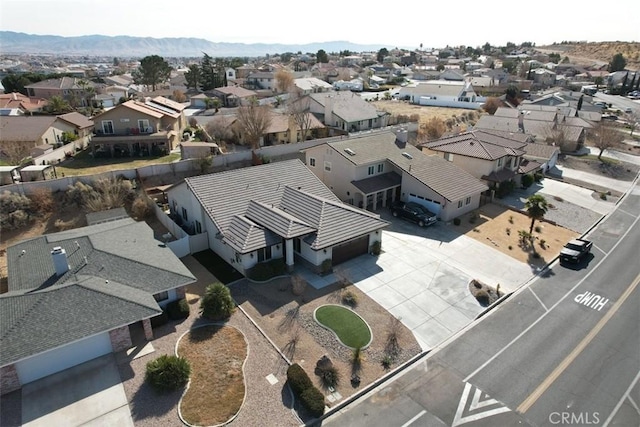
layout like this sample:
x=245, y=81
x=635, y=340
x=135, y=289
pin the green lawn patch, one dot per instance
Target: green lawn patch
x=350, y=328
x=217, y=266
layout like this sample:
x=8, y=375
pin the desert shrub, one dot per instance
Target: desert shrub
x=456, y=221
x=298, y=379
x=387, y=360
x=15, y=210
x=527, y=180
x=42, y=200
x=217, y=303
x=357, y=357
x=537, y=229
x=267, y=270
x=141, y=207
x=375, y=247
x=350, y=298
x=178, y=309
x=433, y=128
x=168, y=373
x=505, y=188
x=330, y=376
x=159, y=320
x=79, y=192
x=603, y=195
x=62, y=225
x=325, y=267
x=313, y=400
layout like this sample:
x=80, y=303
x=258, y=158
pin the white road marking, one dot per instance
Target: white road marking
x=521, y=334
x=408, y=423
x=539, y=300
x=475, y=404
x=619, y=404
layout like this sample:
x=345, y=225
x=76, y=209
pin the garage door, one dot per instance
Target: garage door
x=59, y=359
x=350, y=250
x=432, y=205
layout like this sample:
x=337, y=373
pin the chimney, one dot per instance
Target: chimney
x=402, y=136
x=328, y=110
x=60, y=262
x=521, y=121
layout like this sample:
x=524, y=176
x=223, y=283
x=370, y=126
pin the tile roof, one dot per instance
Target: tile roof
x=440, y=175
x=347, y=105
x=169, y=103
x=435, y=88
x=263, y=204
x=18, y=100
x=538, y=128
x=477, y=144
x=79, y=120
x=115, y=268
x=540, y=151
x=237, y=91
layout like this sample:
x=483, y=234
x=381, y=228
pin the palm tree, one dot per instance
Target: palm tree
x=58, y=105
x=536, y=206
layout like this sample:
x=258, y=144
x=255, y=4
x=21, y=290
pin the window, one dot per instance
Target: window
x=264, y=254
x=467, y=200
x=162, y=296
x=371, y=170
x=460, y=203
x=499, y=162
x=198, y=227
x=448, y=157
x=107, y=127
x=312, y=162
x=143, y=126
x=327, y=166
x=380, y=167
x=509, y=162
x=184, y=214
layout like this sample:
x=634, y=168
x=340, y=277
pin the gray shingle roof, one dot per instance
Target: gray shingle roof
x=347, y=105
x=441, y=176
x=24, y=128
x=263, y=204
x=114, y=269
x=478, y=144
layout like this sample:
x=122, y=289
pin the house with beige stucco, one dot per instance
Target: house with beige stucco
x=374, y=170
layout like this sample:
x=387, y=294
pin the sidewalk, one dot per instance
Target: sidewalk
x=614, y=184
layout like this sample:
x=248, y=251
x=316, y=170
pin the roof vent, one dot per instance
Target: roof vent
x=407, y=155
x=349, y=151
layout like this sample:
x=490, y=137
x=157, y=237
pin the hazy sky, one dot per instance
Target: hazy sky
x=394, y=23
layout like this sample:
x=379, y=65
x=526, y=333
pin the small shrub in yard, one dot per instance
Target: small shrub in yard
x=167, y=373
x=267, y=270
x=527, y=180
x=543, y=243
x=510, y=219
x=298, y=379
x=42, y=200
x=217, y=303
x=508, y=230
x=310, y=397
x=349, y=298
x=141, y=207
x=313, y=400
x=178, y=309
x=510, y=247
x=159, y=320
x=456, y=221
x=387, y=360
x=15, y=210
x=537, y=229
x=603, y=195
x=329, y=376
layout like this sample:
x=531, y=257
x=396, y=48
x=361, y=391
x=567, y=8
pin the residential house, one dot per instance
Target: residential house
x=278, y=210
x=261, y=80
x=307, y=85
x=355, y=85
x=372, y=171
x=19, y=135
x=459, y=94
x=543, y=77
x=233, y=96
x=76, y=91
x=491, y=157
x=283, y=128
x=74, y=296
x=561, y=131
x=136, y=128
x=346, y=111
x=17, y=104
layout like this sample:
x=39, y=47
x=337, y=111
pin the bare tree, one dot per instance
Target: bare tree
x=433, y=128
x=219, y=131
x=284, y=80
x=557, y=134
x=606, y=136
x=299, y=110
x=253, y=122
x=14, y=153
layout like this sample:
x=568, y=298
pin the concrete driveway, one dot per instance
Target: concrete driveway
x=423, y=274
x=89, y=394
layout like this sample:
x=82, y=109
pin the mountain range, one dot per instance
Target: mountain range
x=125, y=46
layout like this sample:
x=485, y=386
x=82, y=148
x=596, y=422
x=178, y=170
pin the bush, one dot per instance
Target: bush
x=375, y=247
x=298, y=379
x=325, y=267
x=141, y=207
x=15, y=210
x=177, y=310
x=217, y=303
x=167, y=373
x=349, y=298
x=329, y=376
x=527, y=180
x=456, y=221
x=159, y=320
x=42, y=200
x=313, y=400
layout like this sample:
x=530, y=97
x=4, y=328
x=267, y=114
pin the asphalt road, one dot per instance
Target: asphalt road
x=563, y=350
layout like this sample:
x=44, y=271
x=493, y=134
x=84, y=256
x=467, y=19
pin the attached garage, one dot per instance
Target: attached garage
x=432, y=205
x=350, y=250
x=59, y=359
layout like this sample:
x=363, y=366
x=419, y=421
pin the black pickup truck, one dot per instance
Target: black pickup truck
x=575, y=250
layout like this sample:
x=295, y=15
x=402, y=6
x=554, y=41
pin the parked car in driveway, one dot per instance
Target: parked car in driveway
x=415, y=212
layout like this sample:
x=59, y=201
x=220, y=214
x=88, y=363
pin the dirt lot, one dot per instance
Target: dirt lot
x=426, y=113
x=285, y=317
x=498, y=226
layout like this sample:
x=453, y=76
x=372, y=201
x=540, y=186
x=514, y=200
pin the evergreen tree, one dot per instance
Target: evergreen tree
x=153, y=70
x=322, y=56
x=193, y=76
x=618, y=63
